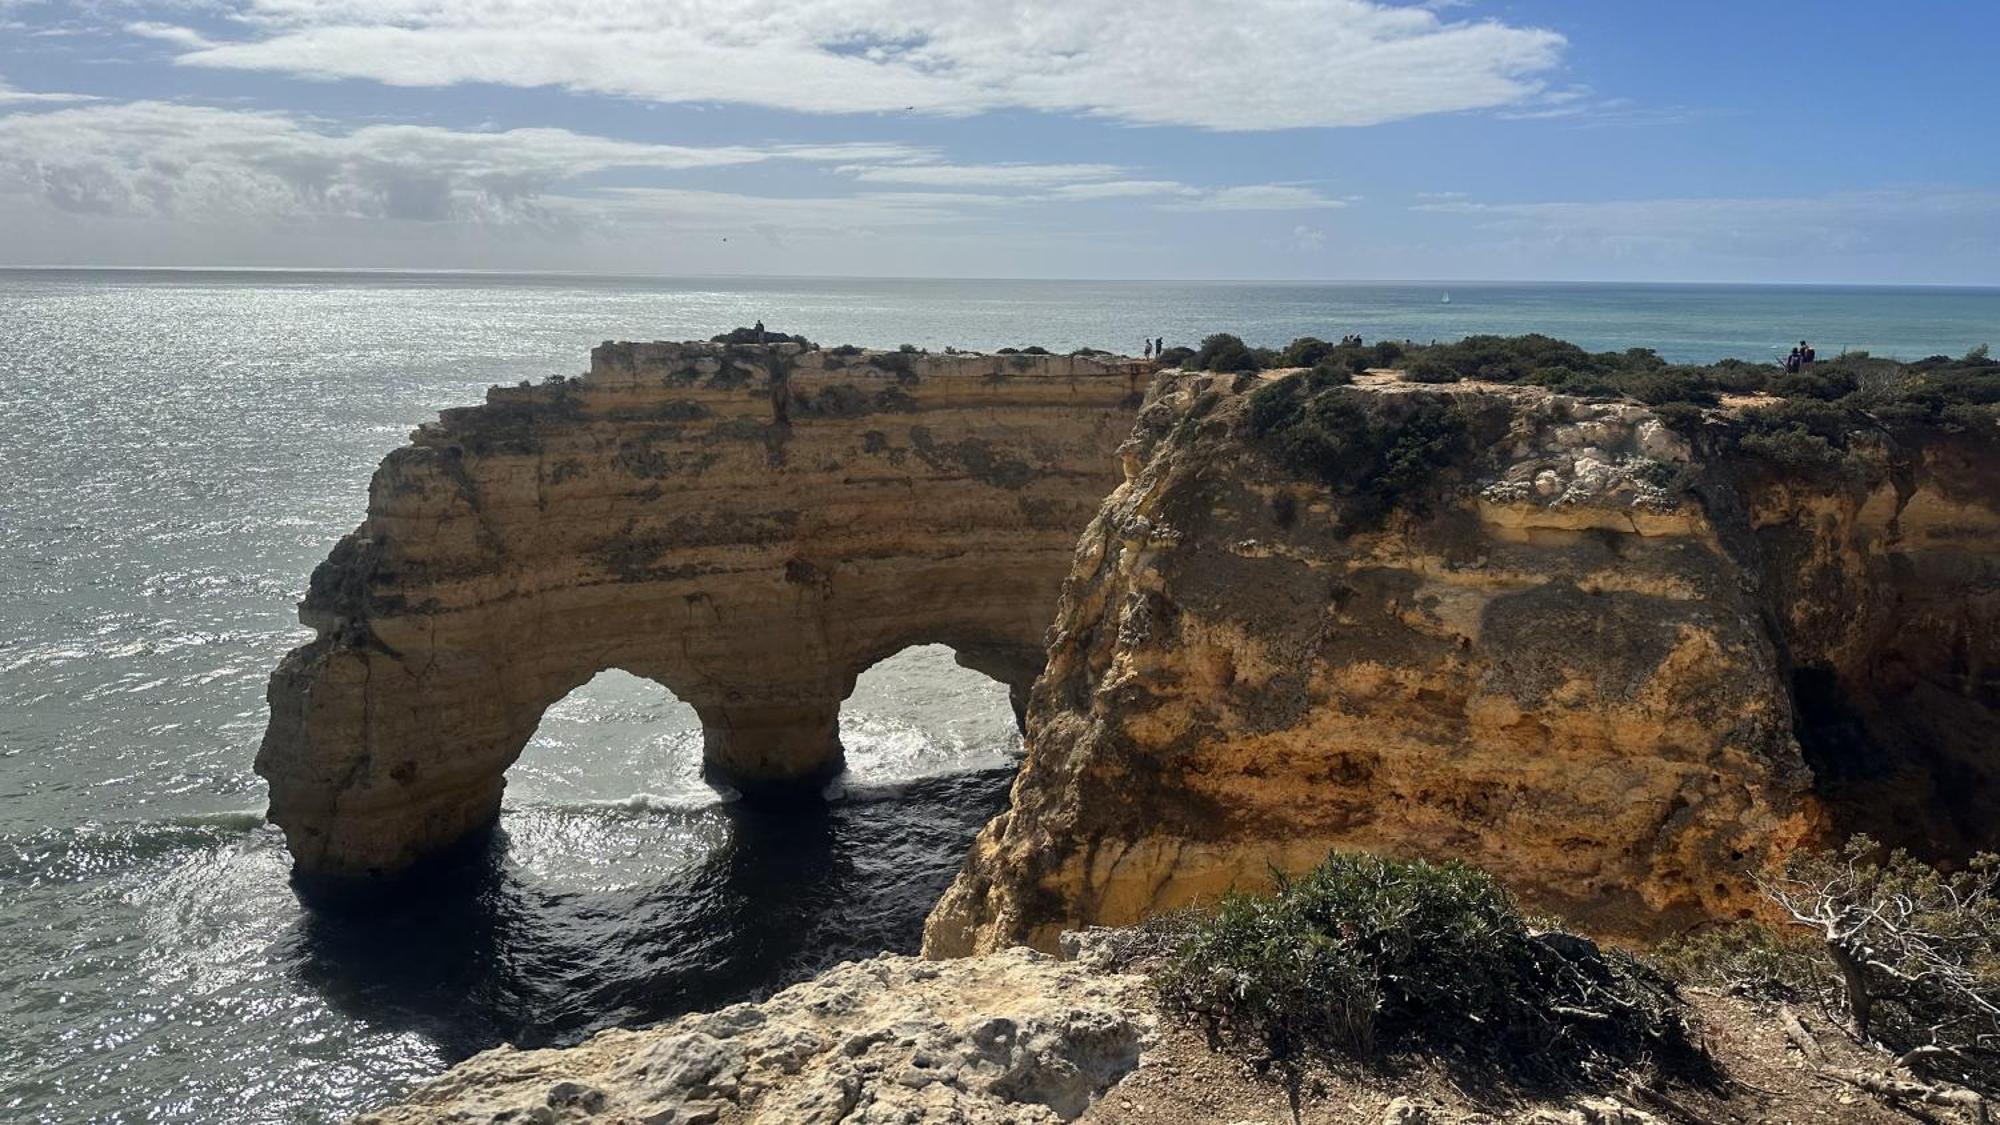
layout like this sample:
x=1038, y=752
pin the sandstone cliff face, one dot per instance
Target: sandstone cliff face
x=1582, y=659
x=1014, y=1038
x=751, y=526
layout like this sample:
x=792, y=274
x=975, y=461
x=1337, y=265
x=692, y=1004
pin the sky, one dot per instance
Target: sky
x=1831, y=141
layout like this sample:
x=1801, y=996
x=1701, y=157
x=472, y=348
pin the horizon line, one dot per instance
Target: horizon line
x=447, y=271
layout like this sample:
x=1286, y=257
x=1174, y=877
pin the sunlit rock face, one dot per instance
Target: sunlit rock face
x=750, y=525
x=1012, y=1039
x=1618, y=671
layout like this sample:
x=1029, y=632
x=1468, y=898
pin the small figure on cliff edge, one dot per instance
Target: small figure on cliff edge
x=1149, y=349
x=759, y=330
x=1807, y=355
x=1160, y=346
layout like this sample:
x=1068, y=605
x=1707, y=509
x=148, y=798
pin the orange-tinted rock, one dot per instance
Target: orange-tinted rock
x=750, y=526
x=1568, y=654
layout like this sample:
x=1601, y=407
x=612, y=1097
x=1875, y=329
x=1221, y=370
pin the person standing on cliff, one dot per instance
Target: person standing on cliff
x=1160, y=346
x=1149, y=349
x=759, y=330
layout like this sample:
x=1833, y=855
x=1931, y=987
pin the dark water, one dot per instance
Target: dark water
x=179, y=449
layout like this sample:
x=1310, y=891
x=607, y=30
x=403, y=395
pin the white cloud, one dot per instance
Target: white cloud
x=171, y=34
x=11, y=96
x=720, y=211
x=178, y=161
x=1259, y=197
x=982, y=175
x=1262, y=64
x=1122, y=189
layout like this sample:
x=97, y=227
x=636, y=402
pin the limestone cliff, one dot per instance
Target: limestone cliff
x=1543, y=635
x=750, y=525
x=1013, y=1038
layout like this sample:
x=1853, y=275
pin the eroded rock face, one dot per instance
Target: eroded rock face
x=1574, y=664
x=751, y=526
x=1016, y=1037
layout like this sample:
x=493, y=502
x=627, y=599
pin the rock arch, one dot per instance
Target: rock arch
x=750, y=526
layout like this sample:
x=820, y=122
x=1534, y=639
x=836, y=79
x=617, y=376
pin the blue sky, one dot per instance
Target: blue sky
x=1830, y=142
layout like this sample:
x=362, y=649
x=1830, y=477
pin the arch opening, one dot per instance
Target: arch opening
x=609, y=789
x=617, y=737
x=923, y=711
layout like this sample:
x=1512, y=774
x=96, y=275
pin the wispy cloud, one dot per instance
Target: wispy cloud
x=170, y=33
x=981, y=175
x=169, y=160
x=9, y=96
x=1123, y=189
x=1259, y=197
x=1269, y=64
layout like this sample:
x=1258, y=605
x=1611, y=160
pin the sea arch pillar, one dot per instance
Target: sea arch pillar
x=745, y=525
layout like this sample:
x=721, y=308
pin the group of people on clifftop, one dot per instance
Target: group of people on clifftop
x=1801, y=359
x=1156, y=346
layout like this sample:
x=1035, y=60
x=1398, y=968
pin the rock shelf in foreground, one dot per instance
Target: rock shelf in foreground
x=1016, y=1037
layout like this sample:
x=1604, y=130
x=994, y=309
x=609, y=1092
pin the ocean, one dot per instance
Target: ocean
x=179, y=448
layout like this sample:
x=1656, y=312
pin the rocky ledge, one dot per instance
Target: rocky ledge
x=1015, y=1037
x=1618, y=664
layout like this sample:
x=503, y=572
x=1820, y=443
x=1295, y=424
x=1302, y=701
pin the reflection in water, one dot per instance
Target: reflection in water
x=483, y=955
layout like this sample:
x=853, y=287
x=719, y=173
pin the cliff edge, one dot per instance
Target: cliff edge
x=1619, y=664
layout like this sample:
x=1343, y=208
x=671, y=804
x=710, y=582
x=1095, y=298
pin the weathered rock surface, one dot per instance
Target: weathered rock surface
x=750, y=526
x=1016, y=1037
x=1587, y=666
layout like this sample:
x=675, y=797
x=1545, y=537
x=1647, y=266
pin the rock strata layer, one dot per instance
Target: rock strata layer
x=1017, y=1038
x=1620, y=671
x=751, y=526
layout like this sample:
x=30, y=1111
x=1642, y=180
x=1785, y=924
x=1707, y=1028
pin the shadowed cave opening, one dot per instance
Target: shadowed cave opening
x=620, y=889
x=1908, y=763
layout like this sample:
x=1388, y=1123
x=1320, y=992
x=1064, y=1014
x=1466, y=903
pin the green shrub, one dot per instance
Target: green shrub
x=1175, y=357
x=1223, y=352
x=1365, y=957
x=752, y=336
x=1670, y=384
x=1329, y=373
x=1745, y=957
x=1306, y=351
x=1793, y=447
x=1375, y=455
x=1430, y=371
x=1825, y=382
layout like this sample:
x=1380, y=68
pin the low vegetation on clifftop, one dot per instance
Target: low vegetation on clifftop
x=1808, y=420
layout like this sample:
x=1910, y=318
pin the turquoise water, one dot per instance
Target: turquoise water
x=180, y=448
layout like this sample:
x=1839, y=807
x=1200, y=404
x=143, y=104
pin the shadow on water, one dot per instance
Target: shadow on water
x=480, y=955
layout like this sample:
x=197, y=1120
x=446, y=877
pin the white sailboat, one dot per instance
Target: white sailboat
x=1447, y=300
